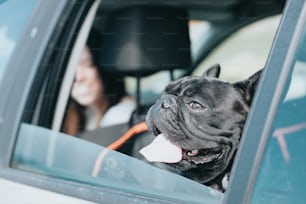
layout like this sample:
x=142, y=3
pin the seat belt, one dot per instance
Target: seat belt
x=136, y=129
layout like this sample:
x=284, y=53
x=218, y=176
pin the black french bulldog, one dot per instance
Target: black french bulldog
x=202, y=119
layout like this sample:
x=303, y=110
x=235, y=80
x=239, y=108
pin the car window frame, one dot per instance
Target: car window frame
x=40, y=29
x=266, y=100
x=68, y=77
x=22, y=70
x=11, y=122
x=11, y=27
x=57, y=55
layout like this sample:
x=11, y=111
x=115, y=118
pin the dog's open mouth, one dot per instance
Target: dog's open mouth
x=162, y=150
x=202, y=156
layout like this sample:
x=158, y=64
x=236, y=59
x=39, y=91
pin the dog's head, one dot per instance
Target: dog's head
x=199, y=121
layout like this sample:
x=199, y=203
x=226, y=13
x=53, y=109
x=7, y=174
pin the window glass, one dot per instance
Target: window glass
x=243, y=53
x=56, y=154
x=282, y=174
x=13, y=17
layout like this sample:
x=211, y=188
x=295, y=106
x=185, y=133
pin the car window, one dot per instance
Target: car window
x=244, y=52
x=281, y=177
x=51, y=153
x=11, y=25
x=43, y=151
x=56, y=154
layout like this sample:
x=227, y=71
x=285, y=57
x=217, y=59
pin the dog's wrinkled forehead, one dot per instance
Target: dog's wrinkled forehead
x=179, y=86
x=190, y=85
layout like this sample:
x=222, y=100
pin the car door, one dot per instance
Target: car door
x=33, y=152
x=270, y=165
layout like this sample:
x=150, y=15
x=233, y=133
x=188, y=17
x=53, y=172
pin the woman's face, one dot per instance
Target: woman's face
x=87, y=89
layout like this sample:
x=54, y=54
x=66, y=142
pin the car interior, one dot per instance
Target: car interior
x=148, y=40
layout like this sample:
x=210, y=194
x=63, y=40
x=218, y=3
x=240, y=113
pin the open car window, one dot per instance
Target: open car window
x=42, y=149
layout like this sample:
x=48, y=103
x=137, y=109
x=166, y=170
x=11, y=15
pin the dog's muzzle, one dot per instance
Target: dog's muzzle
x=167, y=101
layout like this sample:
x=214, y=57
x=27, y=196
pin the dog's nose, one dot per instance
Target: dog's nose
x=167, y=102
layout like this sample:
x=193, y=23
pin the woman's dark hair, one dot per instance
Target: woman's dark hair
x=114, y=88
x=113, y=83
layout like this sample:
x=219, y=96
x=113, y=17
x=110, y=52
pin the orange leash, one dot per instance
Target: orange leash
x=136, y=129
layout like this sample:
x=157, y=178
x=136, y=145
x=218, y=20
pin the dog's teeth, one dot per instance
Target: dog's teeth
x=193, y=152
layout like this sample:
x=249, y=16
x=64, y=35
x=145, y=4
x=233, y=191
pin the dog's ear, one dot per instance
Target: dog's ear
x=213, y=71
x=248, y=86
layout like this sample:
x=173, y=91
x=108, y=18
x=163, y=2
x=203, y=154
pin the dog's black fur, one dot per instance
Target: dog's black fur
x=205, y=117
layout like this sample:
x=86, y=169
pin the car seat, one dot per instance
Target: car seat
x=138, y=42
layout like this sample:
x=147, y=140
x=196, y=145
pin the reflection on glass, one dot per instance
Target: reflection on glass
x=56, y=154
x=282, y=175
x=13, y=17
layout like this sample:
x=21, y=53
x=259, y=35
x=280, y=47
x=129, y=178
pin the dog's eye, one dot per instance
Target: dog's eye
x=195, y=105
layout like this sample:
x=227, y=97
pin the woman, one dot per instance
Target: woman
x=98, y=98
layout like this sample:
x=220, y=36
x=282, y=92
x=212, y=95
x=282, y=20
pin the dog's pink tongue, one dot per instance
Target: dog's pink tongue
x=161, y=150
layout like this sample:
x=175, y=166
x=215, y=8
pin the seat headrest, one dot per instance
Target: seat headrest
x=143, y=40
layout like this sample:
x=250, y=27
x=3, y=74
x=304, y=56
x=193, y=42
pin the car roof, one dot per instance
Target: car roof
x=210, y=10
